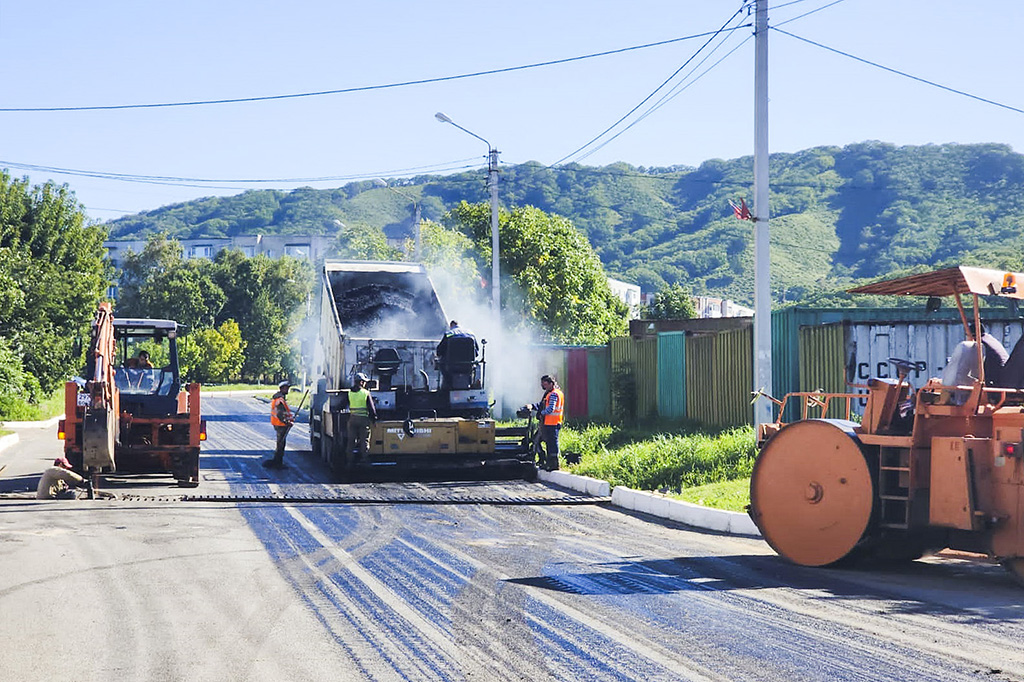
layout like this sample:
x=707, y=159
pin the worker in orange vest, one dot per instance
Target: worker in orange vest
x=282, y=419
x=549, y=413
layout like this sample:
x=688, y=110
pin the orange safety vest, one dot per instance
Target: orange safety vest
x=555, y=417
x=278, y=400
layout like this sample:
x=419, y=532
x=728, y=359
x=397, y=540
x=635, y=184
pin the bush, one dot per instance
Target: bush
x=17, y=408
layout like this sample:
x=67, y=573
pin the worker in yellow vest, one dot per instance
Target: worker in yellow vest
x=549, y=413
x=282, y=419
x=361, y=412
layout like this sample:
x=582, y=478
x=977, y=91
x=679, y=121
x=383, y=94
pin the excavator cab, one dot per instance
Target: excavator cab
x=147, y=387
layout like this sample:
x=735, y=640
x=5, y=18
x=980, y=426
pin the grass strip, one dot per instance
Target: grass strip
x=709, y=467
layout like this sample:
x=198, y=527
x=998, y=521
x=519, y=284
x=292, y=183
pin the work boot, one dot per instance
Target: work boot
x=274, y=464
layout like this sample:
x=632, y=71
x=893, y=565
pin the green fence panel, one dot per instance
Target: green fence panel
x=672, y=374
x=599, y=390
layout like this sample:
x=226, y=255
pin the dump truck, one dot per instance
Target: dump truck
x=127, y=416
x=384, y=320
x=938, y=467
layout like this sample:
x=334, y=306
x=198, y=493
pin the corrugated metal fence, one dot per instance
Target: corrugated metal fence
x=672, y=374
x=707, y=375
x=719, y=375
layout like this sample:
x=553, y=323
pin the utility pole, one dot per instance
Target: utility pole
x=762, y=264
x=416, y=220
x=494, y=374
x=492, y=181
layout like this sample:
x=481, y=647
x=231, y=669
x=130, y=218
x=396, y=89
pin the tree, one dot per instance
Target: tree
x=552, y=279
x=185, y=293
x=268, y=299
x=159, y=283
x=52, y=275
x=451, y=258
x=159, y=255
x=213, y=355
x=671, y=303
x=363, y=242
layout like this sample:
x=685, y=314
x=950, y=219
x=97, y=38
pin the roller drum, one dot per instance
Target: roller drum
x=812, y=492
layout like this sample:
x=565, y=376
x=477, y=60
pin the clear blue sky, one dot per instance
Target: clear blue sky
x=116, y=52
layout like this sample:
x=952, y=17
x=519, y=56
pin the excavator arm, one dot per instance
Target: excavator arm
x=100, y=399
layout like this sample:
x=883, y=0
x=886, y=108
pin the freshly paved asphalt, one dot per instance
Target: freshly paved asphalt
x=150, y=587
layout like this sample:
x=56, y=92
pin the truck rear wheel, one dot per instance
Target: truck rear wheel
x=812, y=492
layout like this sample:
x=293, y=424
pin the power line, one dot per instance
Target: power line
x=365, y=88
x=663, y=84
x=900, y=73
x=669, y=96
x=679, y=87
x=170, y=180
x=806, y=14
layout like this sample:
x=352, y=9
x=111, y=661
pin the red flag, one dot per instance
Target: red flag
x=741, y=212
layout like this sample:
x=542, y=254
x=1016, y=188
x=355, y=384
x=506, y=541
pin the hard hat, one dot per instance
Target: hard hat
x=284, y=384
x=362, y=377
x=62, y=462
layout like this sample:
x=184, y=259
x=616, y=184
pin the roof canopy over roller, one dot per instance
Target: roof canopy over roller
x=958, y=280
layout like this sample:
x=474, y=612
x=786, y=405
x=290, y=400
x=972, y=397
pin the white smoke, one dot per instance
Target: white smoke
x=515, y=363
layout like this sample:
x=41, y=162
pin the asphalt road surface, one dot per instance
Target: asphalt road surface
x=447, y=581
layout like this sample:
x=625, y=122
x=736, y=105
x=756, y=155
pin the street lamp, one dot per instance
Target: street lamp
x=492, y=183
x=415, y=213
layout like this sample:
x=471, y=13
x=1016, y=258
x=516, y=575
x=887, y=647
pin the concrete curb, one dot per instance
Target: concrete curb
x=720, y=520
x=583, y=484
x=8, y=440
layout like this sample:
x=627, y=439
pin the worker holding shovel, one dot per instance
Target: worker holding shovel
x=282, y=419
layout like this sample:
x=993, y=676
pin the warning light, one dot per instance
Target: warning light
x=1013, y=449
x=1009, y=284
x=61, y=433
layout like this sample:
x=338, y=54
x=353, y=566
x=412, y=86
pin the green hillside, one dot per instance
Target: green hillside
x=837, y=214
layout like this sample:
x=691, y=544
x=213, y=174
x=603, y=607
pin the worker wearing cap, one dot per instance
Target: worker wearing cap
x=361, y=412
x=453, y=331
x=281, y=418
x=59, y=482
x=549, y=412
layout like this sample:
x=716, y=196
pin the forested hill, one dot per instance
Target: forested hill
x=837, y=214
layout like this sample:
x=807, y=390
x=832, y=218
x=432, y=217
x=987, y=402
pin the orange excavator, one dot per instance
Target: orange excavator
x=127, y=416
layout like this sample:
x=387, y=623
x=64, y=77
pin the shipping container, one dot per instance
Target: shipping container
x=788, y=322
x=867, y=347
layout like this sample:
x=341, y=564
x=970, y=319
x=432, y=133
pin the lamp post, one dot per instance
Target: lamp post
x=415, y=214
x=492, y=183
